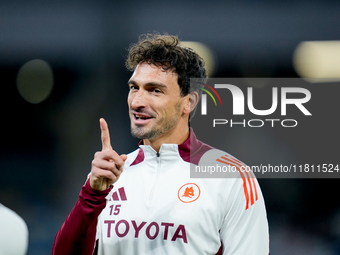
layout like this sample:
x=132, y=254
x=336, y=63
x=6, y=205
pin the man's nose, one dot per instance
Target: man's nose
x=138, y=100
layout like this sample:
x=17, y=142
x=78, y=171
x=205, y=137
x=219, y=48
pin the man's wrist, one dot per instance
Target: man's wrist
x=88, y=190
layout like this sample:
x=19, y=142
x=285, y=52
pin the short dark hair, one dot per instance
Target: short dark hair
x=166, y=51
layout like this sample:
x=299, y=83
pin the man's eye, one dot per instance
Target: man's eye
x=133, y=87
x=157, y=90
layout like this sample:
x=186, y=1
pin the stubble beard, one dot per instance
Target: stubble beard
x=160, y=127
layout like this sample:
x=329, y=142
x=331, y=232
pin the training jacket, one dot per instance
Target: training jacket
x=156, y=208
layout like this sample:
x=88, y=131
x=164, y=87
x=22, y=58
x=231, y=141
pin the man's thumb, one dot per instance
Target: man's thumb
x=123, y=157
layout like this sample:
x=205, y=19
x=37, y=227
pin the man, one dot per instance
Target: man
x=13, y=233
x=154, y=207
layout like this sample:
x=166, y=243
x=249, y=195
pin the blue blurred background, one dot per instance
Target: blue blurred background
x=47, y=146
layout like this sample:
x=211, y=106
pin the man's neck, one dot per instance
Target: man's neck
x=176, y=136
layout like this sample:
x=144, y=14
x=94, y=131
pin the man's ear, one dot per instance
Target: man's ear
x=194, y=98
x=193, y=101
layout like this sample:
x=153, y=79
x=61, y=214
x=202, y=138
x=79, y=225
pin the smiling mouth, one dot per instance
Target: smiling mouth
x=141, y=117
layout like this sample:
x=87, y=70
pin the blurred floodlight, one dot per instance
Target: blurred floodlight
x=35, y=81
x=318, y=61
x=206, y=53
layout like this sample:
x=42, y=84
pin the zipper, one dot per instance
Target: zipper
x=158, y=170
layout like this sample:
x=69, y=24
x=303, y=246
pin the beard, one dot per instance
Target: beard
x=160, y=127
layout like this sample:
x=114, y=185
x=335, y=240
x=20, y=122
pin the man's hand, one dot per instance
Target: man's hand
x=107, y=165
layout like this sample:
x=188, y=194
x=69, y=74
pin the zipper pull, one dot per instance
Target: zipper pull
x=158, y=154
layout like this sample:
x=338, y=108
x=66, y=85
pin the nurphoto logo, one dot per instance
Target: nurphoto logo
x=243, y=103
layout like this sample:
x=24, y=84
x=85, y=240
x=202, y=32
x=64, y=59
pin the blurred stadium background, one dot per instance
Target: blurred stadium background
x=62, y=68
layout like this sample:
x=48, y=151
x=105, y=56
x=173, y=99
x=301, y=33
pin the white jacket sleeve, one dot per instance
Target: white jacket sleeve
x=245, y=227
x=13, y=232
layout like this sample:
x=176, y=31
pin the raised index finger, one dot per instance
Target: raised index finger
x=105, y=135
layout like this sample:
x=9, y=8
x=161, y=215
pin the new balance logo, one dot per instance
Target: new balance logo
x=120, y=193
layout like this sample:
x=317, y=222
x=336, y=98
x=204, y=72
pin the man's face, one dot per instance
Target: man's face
x=155, y=104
